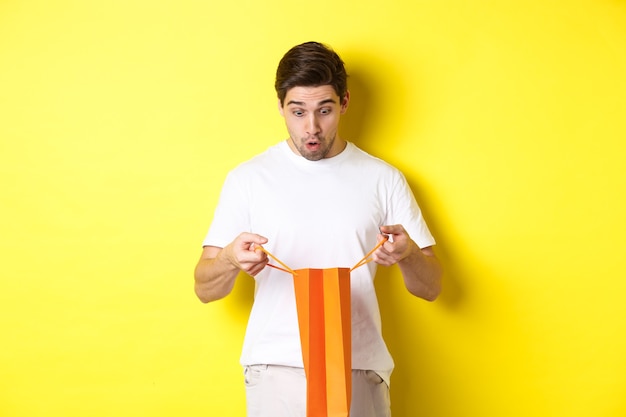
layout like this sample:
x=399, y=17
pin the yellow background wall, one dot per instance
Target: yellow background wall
x=120, y=119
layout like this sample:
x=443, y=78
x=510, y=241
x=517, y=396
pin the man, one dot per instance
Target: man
x=314, y=201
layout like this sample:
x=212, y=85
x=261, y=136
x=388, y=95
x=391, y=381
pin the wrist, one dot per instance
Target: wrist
x=228, y=258
x=412, y=253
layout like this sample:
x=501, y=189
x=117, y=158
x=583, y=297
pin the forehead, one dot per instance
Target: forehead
x=311, y=96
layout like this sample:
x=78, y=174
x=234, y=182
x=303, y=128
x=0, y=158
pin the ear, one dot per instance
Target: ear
x=344, y=102
x=280, y=108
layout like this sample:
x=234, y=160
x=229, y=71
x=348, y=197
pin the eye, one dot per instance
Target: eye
x=325, y=110
x=298, y=113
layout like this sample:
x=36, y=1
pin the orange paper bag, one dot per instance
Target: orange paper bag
x=323, y=303
x=324, y=318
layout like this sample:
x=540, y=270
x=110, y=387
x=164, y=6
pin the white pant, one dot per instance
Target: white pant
x=280, y=391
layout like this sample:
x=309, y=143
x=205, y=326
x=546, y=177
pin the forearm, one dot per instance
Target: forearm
x=218, y=268
x=422, y=272
x=214, y=278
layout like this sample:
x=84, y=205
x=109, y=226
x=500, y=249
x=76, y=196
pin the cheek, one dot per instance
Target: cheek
x=293, y=128
x=292, y=125
x=331, y=124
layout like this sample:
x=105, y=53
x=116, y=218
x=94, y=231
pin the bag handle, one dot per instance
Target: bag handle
x=366, y=259
x=285, y=267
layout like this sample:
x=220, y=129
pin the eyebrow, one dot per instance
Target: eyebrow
x=301, y=103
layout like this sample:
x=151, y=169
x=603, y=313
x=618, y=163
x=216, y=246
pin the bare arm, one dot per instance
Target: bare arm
x=420, y=268
x=217, y=268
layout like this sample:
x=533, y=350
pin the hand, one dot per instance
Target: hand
x=399, y=246
x=241, y=254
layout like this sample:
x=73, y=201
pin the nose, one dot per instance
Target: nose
x=312, y=125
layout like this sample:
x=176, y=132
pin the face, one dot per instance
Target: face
x=312, y=118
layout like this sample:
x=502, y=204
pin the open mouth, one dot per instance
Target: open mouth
x=313, y=141
x=312, y=145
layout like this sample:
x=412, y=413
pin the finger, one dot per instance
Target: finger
x=383, y=258
x=256, y=256
x=395, y=229
x=384, y=248
x=250, y=240
x=258, y=268
x=382, y=236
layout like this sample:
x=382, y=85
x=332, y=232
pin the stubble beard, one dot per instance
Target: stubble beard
x=317, y=155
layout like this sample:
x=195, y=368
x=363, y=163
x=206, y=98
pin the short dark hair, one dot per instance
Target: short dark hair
x=310, y=64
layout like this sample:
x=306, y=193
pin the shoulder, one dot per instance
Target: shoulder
x=267, y=159
x=370, y=162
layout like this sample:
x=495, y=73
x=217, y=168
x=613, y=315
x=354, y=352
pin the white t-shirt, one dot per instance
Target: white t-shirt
x=315, y=214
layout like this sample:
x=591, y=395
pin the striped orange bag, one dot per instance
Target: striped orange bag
x=324, y=319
